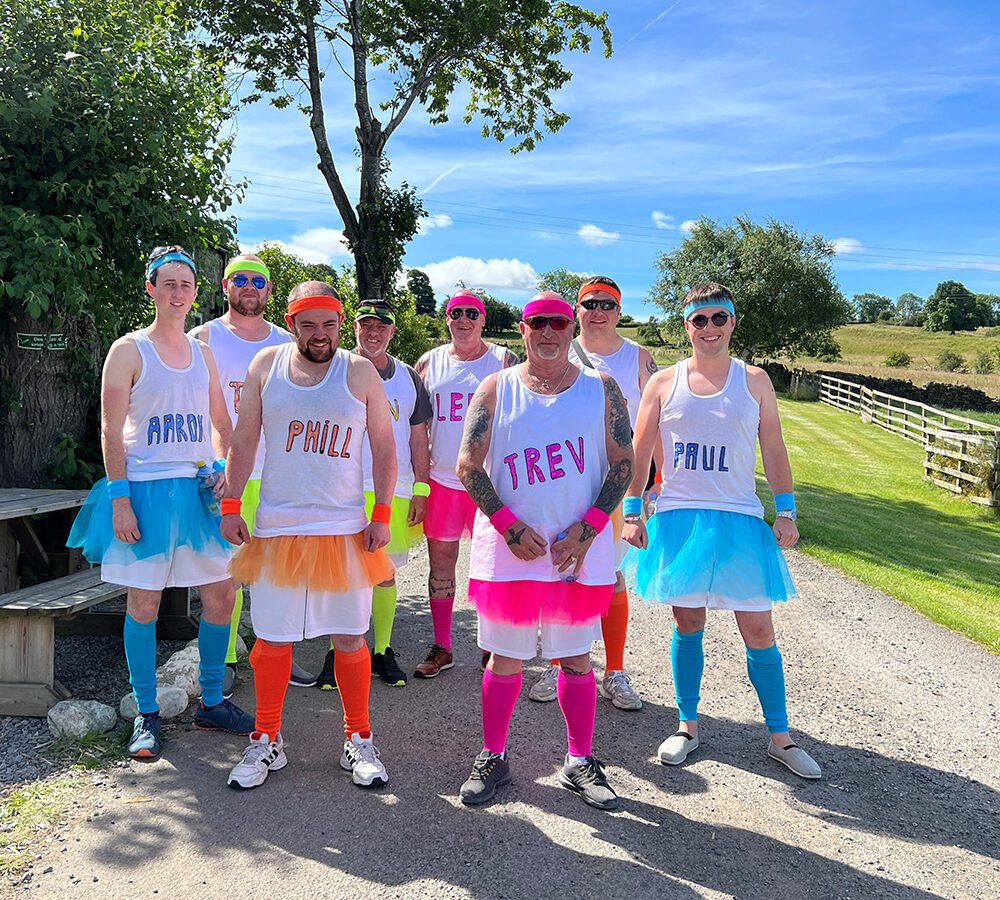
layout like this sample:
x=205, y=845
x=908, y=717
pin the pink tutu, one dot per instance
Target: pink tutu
x=528, y=602
x=450, y=513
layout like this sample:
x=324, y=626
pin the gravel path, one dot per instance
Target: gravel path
x=903, y=715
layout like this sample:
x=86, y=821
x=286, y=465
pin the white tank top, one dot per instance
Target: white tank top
x=402, y=396
x=710, y=445
x=623, y=366
x=451, y=384
x=312, y=481
x=168, y=429
x=548, y=461
x=233, y=355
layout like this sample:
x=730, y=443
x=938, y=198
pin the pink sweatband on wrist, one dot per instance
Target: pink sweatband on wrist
x=596, y=518
x=466, y=300
x=502, y=519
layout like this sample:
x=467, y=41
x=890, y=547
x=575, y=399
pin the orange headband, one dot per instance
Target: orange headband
x=315, y=301
x=591, y=286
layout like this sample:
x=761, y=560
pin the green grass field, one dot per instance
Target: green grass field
x=865, y=510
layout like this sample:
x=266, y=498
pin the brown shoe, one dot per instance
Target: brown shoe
x=437, y=659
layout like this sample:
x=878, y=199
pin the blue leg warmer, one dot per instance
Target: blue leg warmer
x=687, y=661
x=140, y=654
x=768, y=678
x=213, y=642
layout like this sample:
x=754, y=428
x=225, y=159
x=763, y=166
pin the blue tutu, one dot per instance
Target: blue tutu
x=709, y=558
x=170, y=513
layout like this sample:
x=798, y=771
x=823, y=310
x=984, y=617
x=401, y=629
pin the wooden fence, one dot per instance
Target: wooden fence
x=960, y=455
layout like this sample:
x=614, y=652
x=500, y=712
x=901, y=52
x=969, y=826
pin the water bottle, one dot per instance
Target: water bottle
x=208, y=478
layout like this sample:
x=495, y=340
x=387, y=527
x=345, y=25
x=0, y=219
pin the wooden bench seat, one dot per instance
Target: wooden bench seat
x=61, y=597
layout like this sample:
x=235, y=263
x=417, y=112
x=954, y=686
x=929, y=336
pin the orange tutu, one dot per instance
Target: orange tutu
x=323, y=562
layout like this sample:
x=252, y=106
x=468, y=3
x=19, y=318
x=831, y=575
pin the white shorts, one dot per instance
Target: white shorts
x=185, y=567
x=521, y=641
x=283, y=614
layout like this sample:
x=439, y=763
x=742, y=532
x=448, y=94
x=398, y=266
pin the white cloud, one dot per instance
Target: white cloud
x=687, y=225
x=662, y=220
x=317, y=245
x=438, y=220
x=491, y=274
x=596, y=236
x=847, y=245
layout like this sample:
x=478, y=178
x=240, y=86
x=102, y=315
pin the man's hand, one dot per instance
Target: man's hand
x=234, y=529
x=220, y=486
x=571, y=546
x=635, y=533
x=418, y=509
x=123, y=521
x=786, y=531
x=524, y=542
x=376, y=536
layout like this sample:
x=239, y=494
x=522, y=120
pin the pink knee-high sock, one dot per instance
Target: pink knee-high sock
x=441, y=608
x=578, y=701
x=499, y=696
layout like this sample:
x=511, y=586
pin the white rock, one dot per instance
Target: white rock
x=181, y=670
x=171, y=700
x=78, y=718
x=241, y=647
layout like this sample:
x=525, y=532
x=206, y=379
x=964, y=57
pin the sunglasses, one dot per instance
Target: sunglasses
x=537, y=323
x=258, y=281
x=459, y=311
x=718, y=319
x=606, y=305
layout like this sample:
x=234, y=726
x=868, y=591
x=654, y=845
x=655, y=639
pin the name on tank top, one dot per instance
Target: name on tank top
x=175, y=427
x=700, y=456
x=527, y=461
x=319, y=436
x=454, y=404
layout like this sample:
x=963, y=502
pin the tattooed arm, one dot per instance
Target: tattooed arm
x=523, y=541
x=571, y=550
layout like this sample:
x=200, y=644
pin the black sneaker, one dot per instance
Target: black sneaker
x=588, y=780
x=299, y=677
x=489, y=772
x=384, y=665
x=327, y=681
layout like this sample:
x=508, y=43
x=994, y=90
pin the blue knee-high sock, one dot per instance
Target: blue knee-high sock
x=140, y=654
x=767, y=674
x=213, y=641
x=687, y=661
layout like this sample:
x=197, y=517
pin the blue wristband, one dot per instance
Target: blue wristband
x=784, y=501
x=632, y=506
x=119, y=487
x=219, y=465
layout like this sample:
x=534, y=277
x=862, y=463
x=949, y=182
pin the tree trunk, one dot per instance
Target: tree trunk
x=41, y=396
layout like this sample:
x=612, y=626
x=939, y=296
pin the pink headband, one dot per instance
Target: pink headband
x=466, y=300
x=547, y=306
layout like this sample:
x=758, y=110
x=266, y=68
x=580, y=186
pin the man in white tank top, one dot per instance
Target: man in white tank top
x=235, y=338
x=451, y=374
x=598, y=310
x=158, y=390
x=410, y=408
x=708, y=545
x=313, y=556
x=545, y=473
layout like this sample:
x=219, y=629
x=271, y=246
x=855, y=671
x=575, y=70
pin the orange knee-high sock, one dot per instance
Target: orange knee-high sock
x=272, y=666
x=614, y=626
x=353, y=672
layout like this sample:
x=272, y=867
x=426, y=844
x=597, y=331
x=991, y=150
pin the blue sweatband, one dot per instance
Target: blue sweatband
x=784, y=501
x=119, y=487
x=172, y=256
x=721, y=302
x=632, y=506
x=219, y=465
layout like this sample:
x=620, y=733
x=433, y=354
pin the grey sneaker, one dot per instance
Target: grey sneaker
x=544, y=690
x=795, y=759
x=300, y=677
x=675, y=749
x=228, y=681
x=616, y=687
x=489, y=772
x=588, y=780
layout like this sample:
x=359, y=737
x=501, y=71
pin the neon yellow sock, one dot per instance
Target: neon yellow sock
x=383, y=615
x=234, y=626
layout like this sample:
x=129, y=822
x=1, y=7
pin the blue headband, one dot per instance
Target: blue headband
x=173, y=256
x=721, y=302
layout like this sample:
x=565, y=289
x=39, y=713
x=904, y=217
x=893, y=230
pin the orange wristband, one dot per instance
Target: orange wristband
x=230, y=506
x=381, y=513
x=658, y=478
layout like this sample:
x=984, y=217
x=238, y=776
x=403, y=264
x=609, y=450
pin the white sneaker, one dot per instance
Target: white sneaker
x=260, y=758
x=795, y=759
x=616, y=687
x=675, y=749
x=361, y=758
x=544, y=690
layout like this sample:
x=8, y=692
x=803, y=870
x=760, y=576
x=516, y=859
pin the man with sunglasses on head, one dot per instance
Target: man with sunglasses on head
x=602, y=348
x=546, y=472
x=708, y=546
x=235, y=338
x=410, y=408
x=451, y=374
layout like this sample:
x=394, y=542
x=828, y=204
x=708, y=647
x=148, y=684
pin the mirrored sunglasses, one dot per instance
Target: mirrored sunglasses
x=557, y=323
x=606, y=305
x=467, y=311
x=718, y=319
x=240, y=280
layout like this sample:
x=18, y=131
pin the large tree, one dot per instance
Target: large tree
x=109, y=117
x=952, y=307
x=565, y=283
x=420, y=286
x=909, y=309
x=509, y=57
x=787, y=298
x=869, y=307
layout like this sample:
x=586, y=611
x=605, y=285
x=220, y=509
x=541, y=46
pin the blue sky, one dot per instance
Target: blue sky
x=874, y=124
